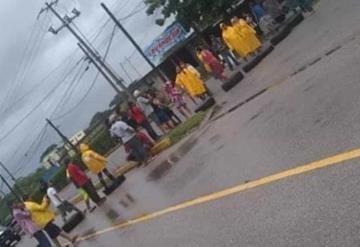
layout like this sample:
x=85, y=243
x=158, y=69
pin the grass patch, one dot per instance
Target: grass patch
x=184, y=128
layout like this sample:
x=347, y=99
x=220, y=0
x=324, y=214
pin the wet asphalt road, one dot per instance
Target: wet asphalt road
x=304, y=117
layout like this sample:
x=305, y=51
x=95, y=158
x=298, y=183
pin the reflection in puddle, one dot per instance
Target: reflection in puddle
x=159, y=171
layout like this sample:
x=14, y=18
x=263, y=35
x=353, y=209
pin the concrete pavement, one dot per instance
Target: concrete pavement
x=305, y=117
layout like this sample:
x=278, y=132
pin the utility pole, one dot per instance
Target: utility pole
x=66, y=21
x=126, y=73
x=12, y=177
x=133, y=67
x=102, y=72
x=137, y=47
x=63, y=137
x=10, y=188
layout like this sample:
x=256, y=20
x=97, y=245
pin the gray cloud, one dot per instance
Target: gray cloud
x=54, y=49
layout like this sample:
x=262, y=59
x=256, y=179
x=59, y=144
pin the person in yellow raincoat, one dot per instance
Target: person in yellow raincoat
x=96, y=163
x=247, y=32
x=44, y=218
x=188, y=78
x=235, y=40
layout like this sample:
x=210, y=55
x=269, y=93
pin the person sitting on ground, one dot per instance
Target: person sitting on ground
x=23, y=218
x=81, y=180
x=137, y=114
x=96, y=164
x=60, y=204
x=121, y=130
x=44, y=218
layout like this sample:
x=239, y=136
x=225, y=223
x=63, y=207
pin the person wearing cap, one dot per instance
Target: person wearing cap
x=146, y=106
x=121, y=130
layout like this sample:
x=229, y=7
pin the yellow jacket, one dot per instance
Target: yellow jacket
x=95, y=162
x=40, y=213
x=235, y=41
x=189, y=80
x=248, y=33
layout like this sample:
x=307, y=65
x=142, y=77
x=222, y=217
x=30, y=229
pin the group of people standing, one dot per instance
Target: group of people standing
x=240, y=37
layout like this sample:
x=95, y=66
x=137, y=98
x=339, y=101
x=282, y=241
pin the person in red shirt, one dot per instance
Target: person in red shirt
x=81, y=180
x=136, y=113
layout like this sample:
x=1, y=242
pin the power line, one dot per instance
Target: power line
x=33, y=44
x=92, y=83
x=34, y=108
x=67, y=93
x=42, y=81
x=36, y=145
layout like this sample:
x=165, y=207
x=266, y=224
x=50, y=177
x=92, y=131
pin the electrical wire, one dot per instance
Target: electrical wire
x=38, y=140
x=35, y=145
x=41, y=82
x=8, y=133
x=33, y=44
x=92, y=83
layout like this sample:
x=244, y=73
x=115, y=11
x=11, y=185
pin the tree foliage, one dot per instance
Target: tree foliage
x=99, y=117
x=47, y=151
x=188, y=12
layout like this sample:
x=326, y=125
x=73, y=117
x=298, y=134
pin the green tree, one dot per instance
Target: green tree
x=189, y=12
x=99, y=117
x=47, y=151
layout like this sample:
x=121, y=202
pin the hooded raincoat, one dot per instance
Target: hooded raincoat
x=95, y=162
x=189, y=79
x=236, y=41
x=248, y=33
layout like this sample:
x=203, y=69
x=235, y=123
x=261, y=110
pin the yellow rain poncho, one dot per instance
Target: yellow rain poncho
x=40, y=213
x=235, y=41
x=95, y=162
x=248, y=33
x=189, y=79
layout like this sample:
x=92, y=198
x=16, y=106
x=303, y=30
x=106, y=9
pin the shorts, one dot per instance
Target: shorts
x=52, y=230
x=162, y=116
x=84, y=194
x=155, y=118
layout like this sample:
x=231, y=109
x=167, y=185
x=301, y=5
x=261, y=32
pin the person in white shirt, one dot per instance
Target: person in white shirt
x=127, y=134
x=61, y=205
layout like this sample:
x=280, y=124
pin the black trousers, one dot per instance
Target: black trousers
x=147, y=126
x=91, y=190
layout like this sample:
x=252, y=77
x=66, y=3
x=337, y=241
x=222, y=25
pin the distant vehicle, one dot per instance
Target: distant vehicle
x=8, y=236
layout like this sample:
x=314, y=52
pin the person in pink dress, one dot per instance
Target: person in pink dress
x=177, y=97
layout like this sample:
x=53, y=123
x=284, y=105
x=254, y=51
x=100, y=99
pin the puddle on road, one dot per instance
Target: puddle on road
x=164, y=168
x=160, y=171
x=214, y=139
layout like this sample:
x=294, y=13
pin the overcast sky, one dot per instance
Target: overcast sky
x=34, y=63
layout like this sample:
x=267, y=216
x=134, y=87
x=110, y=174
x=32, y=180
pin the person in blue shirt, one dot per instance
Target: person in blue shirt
x=257, y=10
